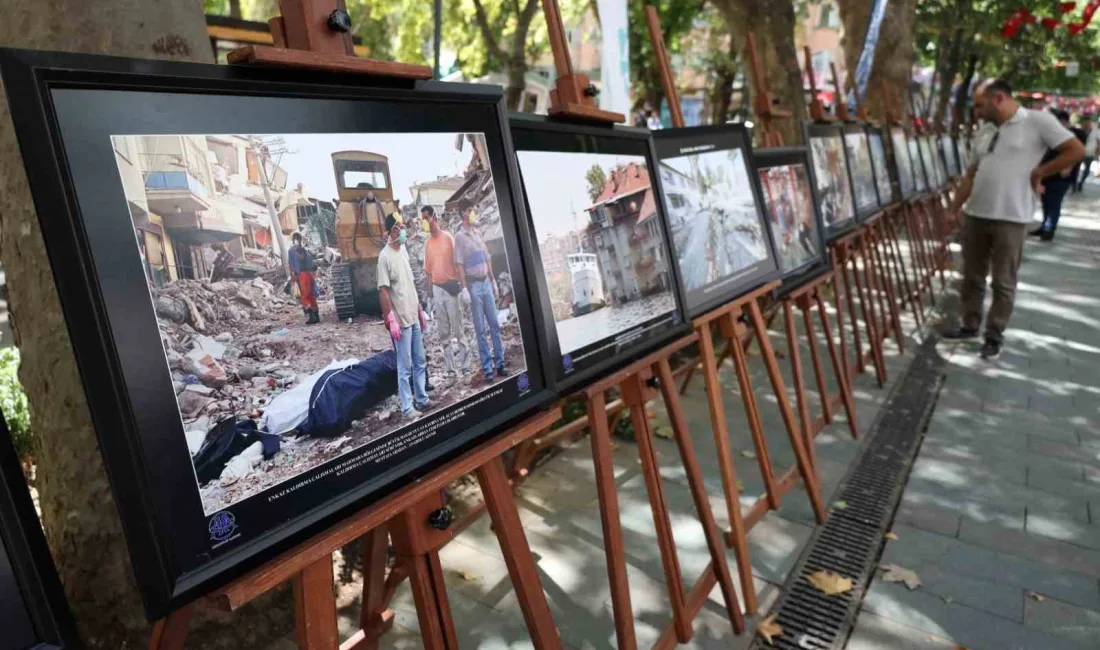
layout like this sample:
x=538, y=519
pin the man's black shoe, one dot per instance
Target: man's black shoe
x=991, y=349
x=501, y=372
x=955, y=333
x=1047, y=236
x=1038, y=232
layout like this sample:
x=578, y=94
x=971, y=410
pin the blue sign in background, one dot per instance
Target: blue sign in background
x=867, y=55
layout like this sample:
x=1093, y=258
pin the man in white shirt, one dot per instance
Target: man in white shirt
x=997, y=196
x=1091, y=142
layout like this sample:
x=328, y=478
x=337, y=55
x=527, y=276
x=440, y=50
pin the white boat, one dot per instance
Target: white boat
x=585, y=282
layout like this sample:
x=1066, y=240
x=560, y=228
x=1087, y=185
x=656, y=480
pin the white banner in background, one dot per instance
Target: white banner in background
x=614, y=57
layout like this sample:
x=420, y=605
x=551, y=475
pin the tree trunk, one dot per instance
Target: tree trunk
x=235, y=8
x=78, y=510
x=962, y=93
x=773, y=23
x=894, y=55
x=950, y=70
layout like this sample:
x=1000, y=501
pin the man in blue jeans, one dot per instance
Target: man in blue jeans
x=404, y=319
x=475, y=271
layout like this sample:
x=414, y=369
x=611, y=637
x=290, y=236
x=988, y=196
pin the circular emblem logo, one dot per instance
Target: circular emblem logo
x=222, y=526
x=567, y=362
x=523, y=383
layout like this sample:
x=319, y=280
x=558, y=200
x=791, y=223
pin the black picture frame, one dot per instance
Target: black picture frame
x=950, y=156
x=867, y=203
x=921, y=179
x=765, y=159
x=682, y=143
x=885, y=180
x=903, y=163
x=33, y=609
x=840, y=203
x=929, y=157
x=533, y=133
x=64, y=108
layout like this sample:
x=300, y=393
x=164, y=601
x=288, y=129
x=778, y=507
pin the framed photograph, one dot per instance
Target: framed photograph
x=831, y=183
x=861, y=169
x=881, y=166
x=598, y=245
x=715, y=216
x=904, y=165
x=33, y=610
x=793, y=217
x=950, y=158
x=920, y=177
x=962, y=146
x=928, y=158
x=255, y=311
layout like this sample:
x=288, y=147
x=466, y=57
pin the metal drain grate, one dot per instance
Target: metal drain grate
x=851, y=540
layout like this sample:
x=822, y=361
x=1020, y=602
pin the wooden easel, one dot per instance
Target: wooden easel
x=638, y=383
x=730, y=322
x=315, y=34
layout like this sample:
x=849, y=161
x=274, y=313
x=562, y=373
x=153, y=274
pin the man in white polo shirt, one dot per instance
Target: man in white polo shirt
x=997, y=196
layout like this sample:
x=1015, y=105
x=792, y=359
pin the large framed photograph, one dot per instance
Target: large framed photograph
x=899, y=147
x=950, y=158
x=962, y=146
x=599, y=246
x=920, y=170
x=831, y=183
x=793, y=217
x=861, y=169
x=715, y=215
x=268, y=336
x=33, y=611
x=881, y=166
x=928, y=159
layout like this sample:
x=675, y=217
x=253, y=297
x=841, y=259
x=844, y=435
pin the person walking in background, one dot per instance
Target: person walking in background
x=996, y=196
x=1056, y=185
x=223, y=259
x=302, y=269
x=475, y=272
x=1092, y=140
x=439, y=266
x=404, y=318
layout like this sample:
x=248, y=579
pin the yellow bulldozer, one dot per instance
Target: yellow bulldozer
x=365, y=195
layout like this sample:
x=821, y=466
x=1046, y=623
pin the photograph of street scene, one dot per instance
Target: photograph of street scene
x=716, y=228
x=794, y=227
x=947, y=145
x=316, y=292
x=600, y=240
x=928, y=156
x=918, y=168
x=882, y=175
x=863, y=174
x=834, y=190
x=901, y=159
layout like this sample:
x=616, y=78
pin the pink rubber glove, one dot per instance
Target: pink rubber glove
x=423, y=320
x=395, y=330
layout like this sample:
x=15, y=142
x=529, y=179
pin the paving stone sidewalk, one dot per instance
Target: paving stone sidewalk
x=1001, y=515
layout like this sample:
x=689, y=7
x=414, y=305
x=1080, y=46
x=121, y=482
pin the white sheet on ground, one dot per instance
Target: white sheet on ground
x=290, y=409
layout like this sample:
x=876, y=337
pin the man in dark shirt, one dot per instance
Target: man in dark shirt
x=1057, y=185
x=302, y=268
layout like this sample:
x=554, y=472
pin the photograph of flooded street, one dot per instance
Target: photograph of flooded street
x=716, y=228
x=603, y=256
x=863, y=174
x=793, y=222
x=317, y=292
x=834, y=189
x=902, y=162
x=882, y=174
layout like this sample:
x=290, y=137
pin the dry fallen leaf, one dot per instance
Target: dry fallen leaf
x=663, y=432
x=614, y=446
x=948, y=599
x=892, y=536
x=840, y=505
x=740, y=486
x=1036, y=597
x=467, y=576
x=748, y=453
x=830, y=583
x=895, y=573
x=769, y=629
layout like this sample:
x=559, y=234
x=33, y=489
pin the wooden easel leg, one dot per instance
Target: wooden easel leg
x=867, y=310
x=170, y=633
x=702, y=505
x=842, y=378
x=500, y=503
x=891, y=284
x=737, y=533
x=600, y=439
x=801, y=398
x=850, y=299
x=819, y=374
x=805, y=468
x=894, y=251
x=433, y=611
x=633, y=392
x=374, y=618
x=840, y=324
x=315, y=607
x=756, y=429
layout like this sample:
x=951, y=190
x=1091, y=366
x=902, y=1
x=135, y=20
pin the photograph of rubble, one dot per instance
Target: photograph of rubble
x=902, y=163
x=928, y=159
x=915, y=157
x=947, y=146
x=715, y=218
x=831, y=182
x=316, y=293
x=882, y=172
x=785, y=183
x=862, y=171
